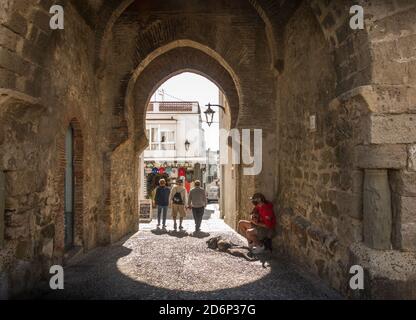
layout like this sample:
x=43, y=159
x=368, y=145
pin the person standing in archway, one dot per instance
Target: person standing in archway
x=262, y=224
x=162, y=201
x=197, y=200
x=177, y=199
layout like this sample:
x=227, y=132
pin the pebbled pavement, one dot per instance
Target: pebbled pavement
x=158, y=265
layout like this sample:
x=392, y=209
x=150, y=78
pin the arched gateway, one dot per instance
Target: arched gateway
x=335, y=106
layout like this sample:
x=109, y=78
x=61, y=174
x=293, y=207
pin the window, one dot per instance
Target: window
x=154, y=145
x=161, y=139
x=167, y=140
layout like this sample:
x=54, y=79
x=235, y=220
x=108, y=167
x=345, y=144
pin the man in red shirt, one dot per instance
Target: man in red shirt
x=262, y=223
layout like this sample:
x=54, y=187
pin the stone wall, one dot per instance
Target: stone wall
x=345, y=189
x=124, y=190
x=388, y=144
x=315, y=172
x=55, y=89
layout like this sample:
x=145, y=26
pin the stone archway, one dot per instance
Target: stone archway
x=175, y=60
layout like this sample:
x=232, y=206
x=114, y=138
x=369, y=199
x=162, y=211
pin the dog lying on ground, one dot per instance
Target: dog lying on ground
x=224, y=245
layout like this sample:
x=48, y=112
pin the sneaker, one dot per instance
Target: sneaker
x=257, y=250
x=180, y=228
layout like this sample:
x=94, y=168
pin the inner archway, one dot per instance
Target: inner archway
x=183, y=142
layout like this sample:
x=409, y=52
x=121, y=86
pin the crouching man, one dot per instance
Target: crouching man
x=262, y=225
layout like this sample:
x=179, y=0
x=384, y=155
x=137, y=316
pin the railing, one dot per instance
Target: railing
x=163, y=146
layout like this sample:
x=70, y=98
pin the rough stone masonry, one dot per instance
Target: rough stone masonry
x=345, y=191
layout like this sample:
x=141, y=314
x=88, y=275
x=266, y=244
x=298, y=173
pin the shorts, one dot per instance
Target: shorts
x=263, y=233
x=178, y=208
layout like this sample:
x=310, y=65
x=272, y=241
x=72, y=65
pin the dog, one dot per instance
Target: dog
x=224, y=245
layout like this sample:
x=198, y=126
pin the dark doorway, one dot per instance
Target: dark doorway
x=69, y=189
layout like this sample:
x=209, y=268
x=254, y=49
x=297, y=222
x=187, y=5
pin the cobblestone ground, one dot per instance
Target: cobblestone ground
x=166, y=265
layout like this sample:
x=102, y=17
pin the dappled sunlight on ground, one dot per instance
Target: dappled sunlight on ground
x=155, y=264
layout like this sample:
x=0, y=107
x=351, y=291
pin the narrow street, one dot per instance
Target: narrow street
x=152, y=264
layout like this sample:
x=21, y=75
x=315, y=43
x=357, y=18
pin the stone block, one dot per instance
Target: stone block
x=403, y=183
x=377, y=222
x=41, y=20
x=388, y=274
x=381, y=156
x=47, y=248
x=330, y=209
x=14, y=233
x=411, y=158
x=389, y=99
x=8, y=39
x=7, y=79
x=404, y=232
x=23, y=182
x=299, y=228
x=350, y=230
x=350, y=204
x=391, y=129
x=406, y=208
x=408, y=237
x=17, y=23
x=11, y=61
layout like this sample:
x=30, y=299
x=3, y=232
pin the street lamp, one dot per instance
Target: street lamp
x=209, y=113
x=187, y=145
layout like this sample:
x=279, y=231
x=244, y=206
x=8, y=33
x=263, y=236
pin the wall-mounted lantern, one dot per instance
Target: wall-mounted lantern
x=209, y=113
x=187, y=145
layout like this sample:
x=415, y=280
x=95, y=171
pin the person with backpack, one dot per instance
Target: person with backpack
x=177, y=199
x=162, y=201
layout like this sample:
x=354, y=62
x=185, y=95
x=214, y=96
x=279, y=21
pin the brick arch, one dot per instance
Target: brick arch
x=150, y=75
x=112, y=14
x=59, y=246
x=332, y=17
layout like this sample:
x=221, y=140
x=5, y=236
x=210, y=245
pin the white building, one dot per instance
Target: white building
x=176, y=140
x=169, y=126
x=212, y=166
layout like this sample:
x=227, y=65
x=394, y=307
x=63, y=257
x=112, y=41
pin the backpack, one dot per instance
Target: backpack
x=177, y=198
